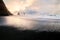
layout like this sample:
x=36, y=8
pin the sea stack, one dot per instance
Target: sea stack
x=3, y=10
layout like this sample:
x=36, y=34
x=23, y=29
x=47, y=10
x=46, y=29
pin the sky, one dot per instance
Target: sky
x=34, y=6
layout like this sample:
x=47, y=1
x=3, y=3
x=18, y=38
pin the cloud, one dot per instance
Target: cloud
x=30, y=11
x=49, y=6
x=26, y=3
x=16, y=5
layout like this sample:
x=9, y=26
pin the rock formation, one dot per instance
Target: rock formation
x=3, y=10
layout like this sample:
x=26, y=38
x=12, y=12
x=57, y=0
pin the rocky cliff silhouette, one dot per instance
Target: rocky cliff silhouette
x=3, y=10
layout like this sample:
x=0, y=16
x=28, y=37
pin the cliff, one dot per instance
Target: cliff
x=3, y=10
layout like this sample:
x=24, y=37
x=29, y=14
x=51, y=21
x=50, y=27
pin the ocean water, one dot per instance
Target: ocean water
x=39, y=23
